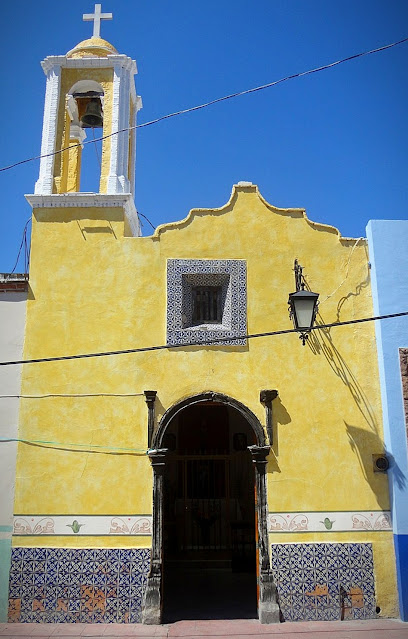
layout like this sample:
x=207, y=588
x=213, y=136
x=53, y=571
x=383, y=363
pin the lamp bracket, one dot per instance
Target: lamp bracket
x=299, y=279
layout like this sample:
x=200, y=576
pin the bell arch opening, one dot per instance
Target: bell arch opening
x=210, y=546
x=81, y=165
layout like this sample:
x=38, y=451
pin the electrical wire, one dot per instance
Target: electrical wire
x=208, y=342
x=71, y=395
x=52, y=443
x=212, y=102
x=139, y=451
x=26, y=253
x=96, y=148
x=26, y=250
x=147, y=219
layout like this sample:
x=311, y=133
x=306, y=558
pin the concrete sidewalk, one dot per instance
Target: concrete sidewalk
x=242, y=629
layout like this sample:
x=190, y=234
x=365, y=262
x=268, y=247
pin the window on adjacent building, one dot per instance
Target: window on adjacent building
x=207, y=305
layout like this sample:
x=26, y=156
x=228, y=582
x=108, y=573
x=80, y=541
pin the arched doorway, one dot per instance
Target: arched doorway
x=210, y=554
x=209, y=533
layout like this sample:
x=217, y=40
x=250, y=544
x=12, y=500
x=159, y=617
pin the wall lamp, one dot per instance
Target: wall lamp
x=302, y=305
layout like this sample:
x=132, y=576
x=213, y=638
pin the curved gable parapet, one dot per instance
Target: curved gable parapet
x=237, y=191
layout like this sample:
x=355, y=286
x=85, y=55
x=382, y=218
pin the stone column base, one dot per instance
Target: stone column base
x=268, y=608
x=151, y=613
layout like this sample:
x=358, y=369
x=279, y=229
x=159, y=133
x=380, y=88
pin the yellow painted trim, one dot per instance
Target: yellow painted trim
x=83, y=541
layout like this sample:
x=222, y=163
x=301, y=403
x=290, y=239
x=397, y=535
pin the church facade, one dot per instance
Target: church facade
x=178, y=459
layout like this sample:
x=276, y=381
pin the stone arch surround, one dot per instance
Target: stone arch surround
x=268, y=609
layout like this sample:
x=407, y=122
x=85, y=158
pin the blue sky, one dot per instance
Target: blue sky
x=335, y=143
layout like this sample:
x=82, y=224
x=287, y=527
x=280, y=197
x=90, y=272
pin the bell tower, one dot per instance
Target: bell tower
x=91, y=87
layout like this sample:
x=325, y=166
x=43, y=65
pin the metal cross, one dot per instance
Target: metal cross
x=97, y=17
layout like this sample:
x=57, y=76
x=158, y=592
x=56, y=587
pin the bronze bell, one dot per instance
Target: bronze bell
x=92, y=117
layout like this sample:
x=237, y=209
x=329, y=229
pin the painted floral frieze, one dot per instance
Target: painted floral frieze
x=82, y=525
x=33, y=526
x=142, y=526
x=329, y=521
x=376, y=521
x=288, y=523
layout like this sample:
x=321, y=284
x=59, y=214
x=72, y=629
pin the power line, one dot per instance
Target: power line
x=40, y=442
x=96, y=148
x=212, y=102
x=76, y=395
x=26, y=249
x=208, y=342
x=147, y=219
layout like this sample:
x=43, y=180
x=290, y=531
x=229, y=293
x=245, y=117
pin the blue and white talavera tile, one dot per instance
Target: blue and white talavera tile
x=323, y=581
x=182, y=276
x=64, y=585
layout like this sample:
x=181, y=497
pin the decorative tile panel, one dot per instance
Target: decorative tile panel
x=86, y=585
x=323, y=581
x=334, y=521
x=230, y=275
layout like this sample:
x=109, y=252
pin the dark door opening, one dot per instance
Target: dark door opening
x=209, y=562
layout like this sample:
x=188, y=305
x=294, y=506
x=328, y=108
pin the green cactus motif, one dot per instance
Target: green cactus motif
x=75, y=526
x=328, y=524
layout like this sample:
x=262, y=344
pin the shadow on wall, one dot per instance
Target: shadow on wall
x=193, y=347
x=280, y=416
x=363, y=441
x=321, y=342
x=364, y=444
x=159, y=411
x=355, y=293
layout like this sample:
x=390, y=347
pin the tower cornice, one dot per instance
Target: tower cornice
x=107, y=62
x=89, y=200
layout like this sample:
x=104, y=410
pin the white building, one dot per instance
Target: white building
x=13, y=297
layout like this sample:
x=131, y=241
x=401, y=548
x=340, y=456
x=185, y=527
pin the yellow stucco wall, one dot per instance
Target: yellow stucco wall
x=82, y=541
x=94, y=289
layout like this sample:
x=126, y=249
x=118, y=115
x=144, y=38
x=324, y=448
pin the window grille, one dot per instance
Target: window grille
x=207, y=304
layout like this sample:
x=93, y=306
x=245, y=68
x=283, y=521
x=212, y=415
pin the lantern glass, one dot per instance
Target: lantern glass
x=303, y=306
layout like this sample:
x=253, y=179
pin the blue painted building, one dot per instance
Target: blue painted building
x=388, y=249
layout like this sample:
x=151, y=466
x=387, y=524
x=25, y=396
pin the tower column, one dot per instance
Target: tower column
x=45, y=182
x=118, y=180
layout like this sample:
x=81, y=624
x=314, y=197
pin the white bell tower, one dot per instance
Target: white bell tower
x=92, y=86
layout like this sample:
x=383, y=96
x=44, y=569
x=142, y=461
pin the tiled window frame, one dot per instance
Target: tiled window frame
x=182, y=276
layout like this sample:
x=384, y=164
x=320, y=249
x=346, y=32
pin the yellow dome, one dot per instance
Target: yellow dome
x=93, y=47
